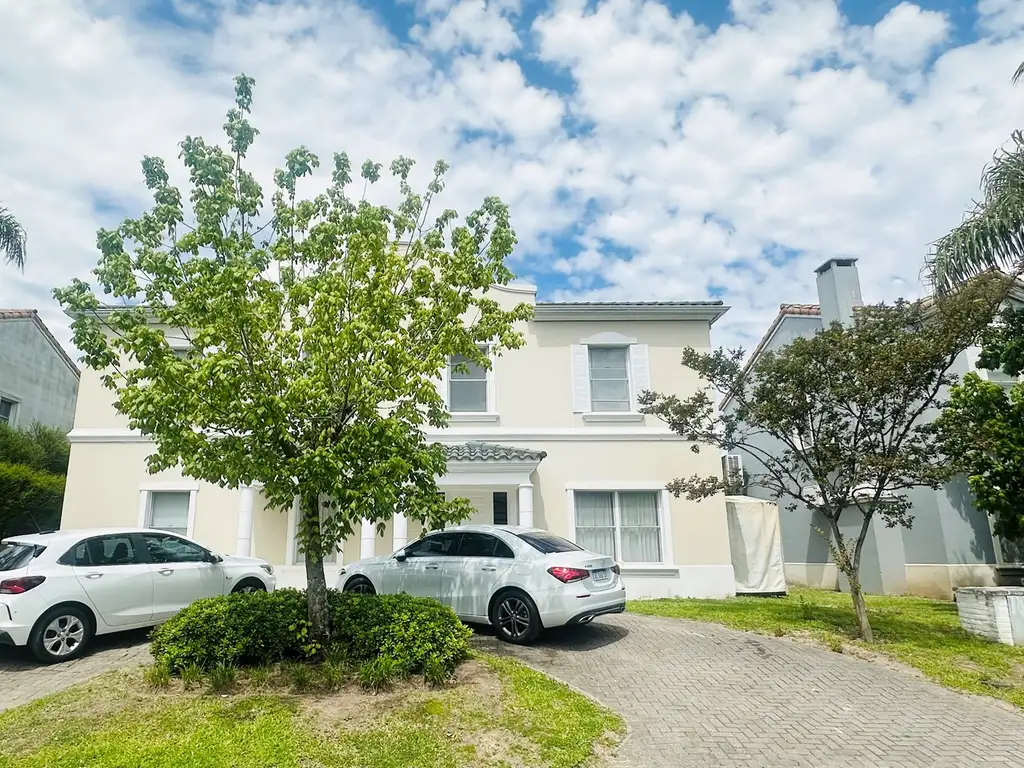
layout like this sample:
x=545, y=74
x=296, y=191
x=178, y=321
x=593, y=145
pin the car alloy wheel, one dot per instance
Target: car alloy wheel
x=63, y=635
x=360, y=587
x=247, y=589
x=514, y=617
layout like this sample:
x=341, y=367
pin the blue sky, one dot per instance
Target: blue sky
x=648, y=150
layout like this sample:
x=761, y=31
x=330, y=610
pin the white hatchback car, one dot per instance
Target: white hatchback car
x=59, y=589
x=519, y=580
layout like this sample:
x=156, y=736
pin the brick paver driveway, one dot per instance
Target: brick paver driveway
x=23, y=679
x=702, y=695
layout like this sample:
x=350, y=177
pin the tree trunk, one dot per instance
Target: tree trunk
x=850, y=568
x=316, y=579
x=861, y=609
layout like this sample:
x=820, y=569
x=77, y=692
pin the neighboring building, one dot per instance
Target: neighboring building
x=551, y=437
x=950, y=543
x=38, y=381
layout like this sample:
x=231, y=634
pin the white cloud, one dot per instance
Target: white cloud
x=736, y=158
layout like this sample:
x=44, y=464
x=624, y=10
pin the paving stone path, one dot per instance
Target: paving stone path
x=23, y=679
x=703, y=695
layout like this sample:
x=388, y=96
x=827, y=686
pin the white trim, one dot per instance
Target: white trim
x=490, y=393
x=613, y=417
x=146, y=502
x=608, y=339
x=451, y=434
x=612, y=486
x=553, y=312
x=466, y=479
x=470, y=417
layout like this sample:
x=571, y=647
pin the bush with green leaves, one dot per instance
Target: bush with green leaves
x=33, y=463
x=261, y=628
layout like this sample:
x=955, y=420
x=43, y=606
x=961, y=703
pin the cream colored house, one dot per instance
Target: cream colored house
x=549, y=437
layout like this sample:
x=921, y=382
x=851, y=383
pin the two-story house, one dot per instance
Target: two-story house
x=38, y=381
x=550, y=436
x=950, y=543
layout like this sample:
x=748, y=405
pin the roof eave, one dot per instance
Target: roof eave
x=570, y=312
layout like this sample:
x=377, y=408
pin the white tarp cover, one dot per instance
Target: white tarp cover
x=756, y=543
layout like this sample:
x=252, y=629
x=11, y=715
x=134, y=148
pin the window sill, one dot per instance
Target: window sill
x=469, y=418
x=648, y=569
x=619, y=417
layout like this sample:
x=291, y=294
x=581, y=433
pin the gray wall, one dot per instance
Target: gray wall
x=35, y=375
x=947, y=528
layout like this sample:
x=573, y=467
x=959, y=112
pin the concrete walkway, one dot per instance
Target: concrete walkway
x=23, y=679
x=702, y=695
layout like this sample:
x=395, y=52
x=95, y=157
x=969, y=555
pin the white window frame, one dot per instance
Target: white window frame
x=637, y=360
x=146, y=502
x=491, y=414
x=290, y=538
x=615, y=487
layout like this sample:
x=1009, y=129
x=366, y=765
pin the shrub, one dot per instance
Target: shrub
x=299, y=675
x=380, y=673
x=244, y=629
x=437, y=672
x=222, y=677
x=191, y=675
x=260, y=628
x=30, y=499
x=157, y=676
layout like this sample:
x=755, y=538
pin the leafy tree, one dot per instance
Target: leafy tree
x=13, y=241
x=991, y=235
x=983, y=428
x=845, y=406
x=311, y=356
x=36, y=446
x=33, y=462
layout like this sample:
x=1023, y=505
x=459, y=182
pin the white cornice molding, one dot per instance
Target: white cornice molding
x=451, y=435
x=580, y=311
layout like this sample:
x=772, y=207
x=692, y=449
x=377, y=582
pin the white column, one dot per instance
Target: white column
x=400, y=531
x=243, y=543
x=526, y=505
x=367, y=540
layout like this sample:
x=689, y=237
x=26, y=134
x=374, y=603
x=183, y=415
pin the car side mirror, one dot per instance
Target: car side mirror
x=212, y=557
x=401, y=557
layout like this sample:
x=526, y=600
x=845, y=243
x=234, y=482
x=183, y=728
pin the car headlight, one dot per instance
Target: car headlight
x=268, y=568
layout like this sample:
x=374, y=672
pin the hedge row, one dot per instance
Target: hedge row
x=257, y=628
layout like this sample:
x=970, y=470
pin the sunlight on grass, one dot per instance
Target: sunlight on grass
x=499, y=714
x=921, y=633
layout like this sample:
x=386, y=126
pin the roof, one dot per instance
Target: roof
x=484, y=528
x=785, y=310
x=69, y=536
x=477, y=451
x=33, y=315
x=629, y=310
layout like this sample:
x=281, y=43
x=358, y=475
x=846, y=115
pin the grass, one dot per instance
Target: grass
x=924, y=634
x=496, y=714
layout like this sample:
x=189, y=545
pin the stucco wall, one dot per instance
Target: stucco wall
x=34, y=374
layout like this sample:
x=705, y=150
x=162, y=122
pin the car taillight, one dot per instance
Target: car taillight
x=568, y=575
x=616, y=570
x=19, y=585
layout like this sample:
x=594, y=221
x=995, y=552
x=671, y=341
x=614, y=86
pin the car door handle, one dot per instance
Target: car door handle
x=488, y=568
x=431, y=567
x=94, y=575
x=165, y=571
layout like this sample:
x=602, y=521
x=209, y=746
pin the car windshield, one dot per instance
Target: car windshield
x=548, y=543
x=15, y=554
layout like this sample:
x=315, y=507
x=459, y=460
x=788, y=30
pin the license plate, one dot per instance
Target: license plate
x=602, y=575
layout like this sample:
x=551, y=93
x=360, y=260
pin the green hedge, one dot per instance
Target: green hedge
x=30, y=500
x=259, y=628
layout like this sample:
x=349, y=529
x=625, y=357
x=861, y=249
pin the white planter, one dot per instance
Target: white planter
x=993, y=612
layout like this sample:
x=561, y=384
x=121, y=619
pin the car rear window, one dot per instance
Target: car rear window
x=15, y=554
x=548, y=543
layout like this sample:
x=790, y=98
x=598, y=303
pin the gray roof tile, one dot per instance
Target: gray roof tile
x=477, y=451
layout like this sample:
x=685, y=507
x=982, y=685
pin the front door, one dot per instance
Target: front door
x=420, y=574
x=469, y=578
x=182, y=573
x=116, y=579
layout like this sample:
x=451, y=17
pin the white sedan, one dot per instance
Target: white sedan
x=519, y=580
x=59, y=589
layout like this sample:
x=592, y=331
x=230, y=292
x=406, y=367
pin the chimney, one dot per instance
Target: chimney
x=838, y=290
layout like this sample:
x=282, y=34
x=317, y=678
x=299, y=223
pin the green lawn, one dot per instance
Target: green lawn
x=921, y=633
x=499, y=715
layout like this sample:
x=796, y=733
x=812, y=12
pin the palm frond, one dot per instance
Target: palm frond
x=13, y=241
x=1019, y=74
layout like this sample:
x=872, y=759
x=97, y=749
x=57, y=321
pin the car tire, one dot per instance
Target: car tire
x=61, y=634
x=515, y=617
x=359, y=585
x=249, y=585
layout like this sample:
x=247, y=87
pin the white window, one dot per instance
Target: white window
x=609, y=379
x=7, y=411
x=168, y=511
x=467, y=389
x=623, y=524
x=609, y=371
x=298, y=556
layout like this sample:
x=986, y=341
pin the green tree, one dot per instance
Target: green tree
x=33, y=463
x=982, y=427
x=834, y=422
x=991, y=235
x=13, y=242
x=311, y=357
